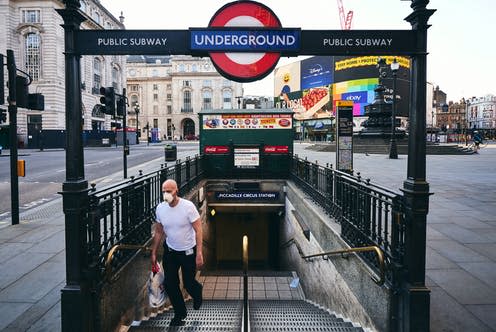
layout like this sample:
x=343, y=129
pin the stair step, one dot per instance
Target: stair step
x=294, y=315
x=214, y=315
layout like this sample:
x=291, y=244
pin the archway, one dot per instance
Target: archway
x=188, y=129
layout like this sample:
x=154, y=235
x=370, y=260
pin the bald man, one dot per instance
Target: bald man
x=179, y=221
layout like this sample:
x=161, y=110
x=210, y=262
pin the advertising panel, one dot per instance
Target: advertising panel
x=360, y=74
x=352, y=78
x=247, y=121
x=287, y=79
x=361, y=92
x=316, y=72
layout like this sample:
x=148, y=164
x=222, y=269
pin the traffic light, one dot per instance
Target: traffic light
x=36, y=101
x=22, y=91
x=3, y=115
x=121, y=106
x=108, y=99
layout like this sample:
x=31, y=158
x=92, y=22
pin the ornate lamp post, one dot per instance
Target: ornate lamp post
x=136, y=111
x=393, y=150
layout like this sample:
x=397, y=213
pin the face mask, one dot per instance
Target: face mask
x=168, y=197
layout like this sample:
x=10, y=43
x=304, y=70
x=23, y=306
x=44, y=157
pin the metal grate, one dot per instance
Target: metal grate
x=294, y=315
x=213, y=316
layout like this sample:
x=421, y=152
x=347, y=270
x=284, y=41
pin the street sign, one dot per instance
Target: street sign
x=358, y=42
x=245, y=67
x=132, y=42
x=344, y=131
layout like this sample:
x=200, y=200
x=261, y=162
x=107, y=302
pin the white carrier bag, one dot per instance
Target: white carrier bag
x=156, y=291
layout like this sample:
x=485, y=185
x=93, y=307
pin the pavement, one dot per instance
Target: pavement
x=460, y=261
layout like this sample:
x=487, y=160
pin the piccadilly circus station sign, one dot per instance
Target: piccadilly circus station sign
x=245, y=40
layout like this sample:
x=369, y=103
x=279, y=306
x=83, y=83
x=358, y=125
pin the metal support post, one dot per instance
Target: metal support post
x=76, y=308
x=393, y=149
x=414, y=295
x=14, y=180
x=125, y=145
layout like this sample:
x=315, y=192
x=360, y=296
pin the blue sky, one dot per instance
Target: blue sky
x=461, y=41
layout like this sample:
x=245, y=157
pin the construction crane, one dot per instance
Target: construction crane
x=345, y=21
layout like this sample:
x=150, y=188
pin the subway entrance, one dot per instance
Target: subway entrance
x=254, y=209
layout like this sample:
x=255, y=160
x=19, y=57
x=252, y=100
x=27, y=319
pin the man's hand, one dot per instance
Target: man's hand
x=199, y=260
x=153, y=258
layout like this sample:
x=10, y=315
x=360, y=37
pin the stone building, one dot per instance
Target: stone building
x=32, y=29
x=169, y=91
x=452, y=117
x=481, y=112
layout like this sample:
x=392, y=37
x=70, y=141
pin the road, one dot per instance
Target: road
x=45, y=170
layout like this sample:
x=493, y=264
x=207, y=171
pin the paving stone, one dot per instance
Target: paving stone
x=463, y=286
x=486, y=272
x=456, y=251
x=486, y=313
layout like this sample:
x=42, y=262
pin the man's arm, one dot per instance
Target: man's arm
x=157, y=239
x=199, y=242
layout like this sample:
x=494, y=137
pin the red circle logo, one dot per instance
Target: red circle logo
x=245, y=67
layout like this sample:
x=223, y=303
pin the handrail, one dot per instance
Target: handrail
x=110, y=256
x=245, y=283
x=380, y=258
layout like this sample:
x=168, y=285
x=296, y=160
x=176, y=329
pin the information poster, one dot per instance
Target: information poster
x=344, y=150
x=246, y=157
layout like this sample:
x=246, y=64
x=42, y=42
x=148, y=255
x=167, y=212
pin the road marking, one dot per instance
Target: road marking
x=35, y=203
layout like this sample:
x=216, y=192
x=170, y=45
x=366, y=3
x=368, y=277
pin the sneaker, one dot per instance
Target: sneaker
x=177, y=321
x=197, y=302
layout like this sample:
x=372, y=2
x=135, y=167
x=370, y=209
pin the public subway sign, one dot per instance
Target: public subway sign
x=245, y=40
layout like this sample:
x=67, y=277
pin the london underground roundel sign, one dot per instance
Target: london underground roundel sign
x=245, y=67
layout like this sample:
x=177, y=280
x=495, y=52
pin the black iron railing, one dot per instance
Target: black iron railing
x=123, y=213
x=370, y=215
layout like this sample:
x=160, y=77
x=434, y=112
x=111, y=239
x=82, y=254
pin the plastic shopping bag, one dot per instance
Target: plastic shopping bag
x=156, y=291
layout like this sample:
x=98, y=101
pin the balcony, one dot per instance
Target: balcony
x=186, y=110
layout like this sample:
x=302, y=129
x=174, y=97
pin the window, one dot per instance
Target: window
x=207, y=100
x=155, y=73
x=33, y=55
x=169, y=97
x=186, y=83
x=115, y=78
x=155, y=110
x=134, y=100
x=83, y=6
x=195, y=68
x=108, y=25
x=155, y=97
x=155, y=123
x=97, y=75
x=31, y=16
x=226, y=98
x=187, y=100
x=169, y=86
x=207, y=83
x=155, y=86
x=181, y=68
x=133, y=87
x=226, y=83
x=169, y=109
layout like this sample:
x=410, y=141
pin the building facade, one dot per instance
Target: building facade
x=32, y=29
x=453, y=117
x=481, y=112
x=170, y=91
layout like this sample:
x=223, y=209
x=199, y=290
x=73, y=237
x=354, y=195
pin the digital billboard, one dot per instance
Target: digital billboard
x=325, y=80
x=316, y=72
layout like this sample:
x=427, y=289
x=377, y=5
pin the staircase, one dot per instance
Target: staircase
x=264, y=315
x=214, y=315
x=294, y=315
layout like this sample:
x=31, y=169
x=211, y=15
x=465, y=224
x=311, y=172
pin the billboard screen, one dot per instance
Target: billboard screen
x=325, y=80
x=316, y=72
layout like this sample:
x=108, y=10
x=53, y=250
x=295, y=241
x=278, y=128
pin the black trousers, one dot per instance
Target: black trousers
x=172, y=261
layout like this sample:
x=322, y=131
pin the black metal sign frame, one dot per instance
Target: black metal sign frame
x=313, y=42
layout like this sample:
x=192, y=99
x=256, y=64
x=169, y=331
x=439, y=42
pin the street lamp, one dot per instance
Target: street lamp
x=393, y=150
x=137, y=110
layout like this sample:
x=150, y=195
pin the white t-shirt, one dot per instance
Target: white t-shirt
x=177, y=222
